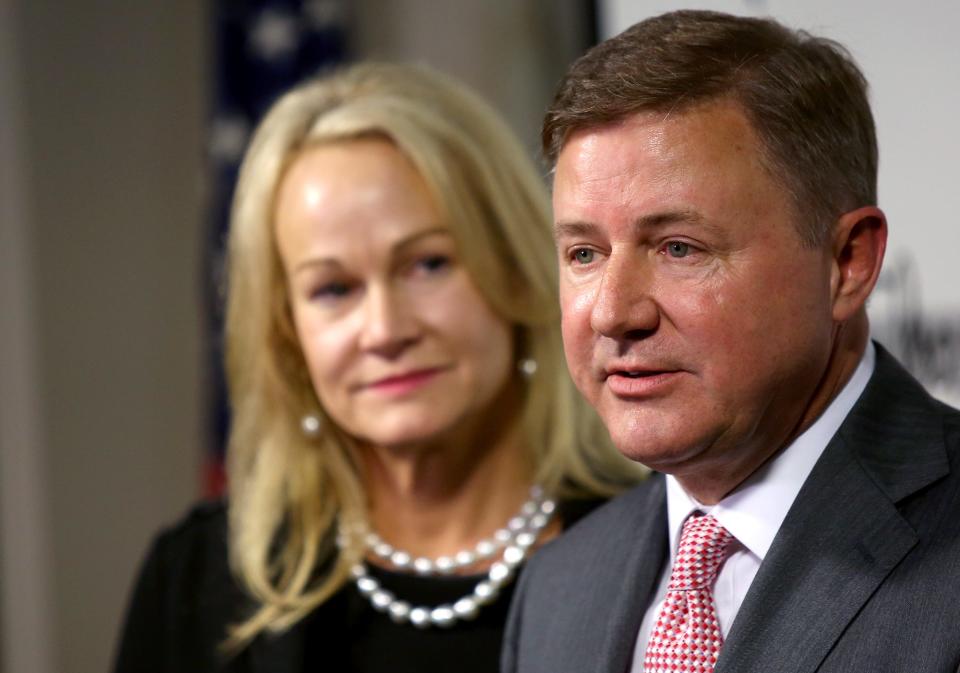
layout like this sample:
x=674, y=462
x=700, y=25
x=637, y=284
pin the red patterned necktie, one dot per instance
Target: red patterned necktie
x=686, y=637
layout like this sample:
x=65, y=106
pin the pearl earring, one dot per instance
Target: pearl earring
x=527, y=367
x=310, y=424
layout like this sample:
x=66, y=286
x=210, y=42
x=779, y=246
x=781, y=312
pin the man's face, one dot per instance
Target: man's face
x=694, y=319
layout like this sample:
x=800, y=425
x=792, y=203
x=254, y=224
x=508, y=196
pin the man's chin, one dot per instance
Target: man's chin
x=656, y=453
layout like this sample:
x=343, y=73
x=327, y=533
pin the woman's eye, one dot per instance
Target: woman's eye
x=434, y=262
x=678, y=249
x=583, y=255
x=330, y=291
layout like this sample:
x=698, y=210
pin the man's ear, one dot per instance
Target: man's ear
x=859, y=241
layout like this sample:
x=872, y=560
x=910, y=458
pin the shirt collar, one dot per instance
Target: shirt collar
x=754, y=512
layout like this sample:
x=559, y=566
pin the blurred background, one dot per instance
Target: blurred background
x=121, y=124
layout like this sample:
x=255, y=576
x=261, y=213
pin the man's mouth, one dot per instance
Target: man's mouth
x=638, y=372
x=637, y=375
x=640, y=383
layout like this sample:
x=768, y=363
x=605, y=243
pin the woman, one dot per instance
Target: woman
x=404, y=426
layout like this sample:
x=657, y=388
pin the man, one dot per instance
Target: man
x=718, y=238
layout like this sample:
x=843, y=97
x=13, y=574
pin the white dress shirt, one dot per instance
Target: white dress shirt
x=754, y=512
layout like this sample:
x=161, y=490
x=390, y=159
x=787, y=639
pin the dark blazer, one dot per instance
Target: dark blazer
x=864, y=574
x=183, y=600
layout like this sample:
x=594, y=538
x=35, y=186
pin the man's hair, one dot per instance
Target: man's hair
x=804, y=96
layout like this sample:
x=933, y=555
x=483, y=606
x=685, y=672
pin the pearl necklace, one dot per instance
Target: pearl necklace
x=528, y=518
x=522, y=532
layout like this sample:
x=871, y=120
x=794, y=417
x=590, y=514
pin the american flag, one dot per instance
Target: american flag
x=263, y=47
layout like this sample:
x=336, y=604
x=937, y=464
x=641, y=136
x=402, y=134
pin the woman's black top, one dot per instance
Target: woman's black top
x=185, y=599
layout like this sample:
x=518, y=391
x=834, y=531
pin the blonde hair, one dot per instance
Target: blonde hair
x=287, y=490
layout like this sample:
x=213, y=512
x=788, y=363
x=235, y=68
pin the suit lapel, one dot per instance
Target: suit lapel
x=631, y=586
x=844, y=533
x=830, y=555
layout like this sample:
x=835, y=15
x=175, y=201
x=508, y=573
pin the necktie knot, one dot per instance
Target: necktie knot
x=703, y=547
x=687, y=637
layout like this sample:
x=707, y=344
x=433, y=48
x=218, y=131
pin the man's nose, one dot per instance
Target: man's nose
x=625, y=306
x=388, y=324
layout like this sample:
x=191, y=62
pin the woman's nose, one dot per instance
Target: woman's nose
x=389, y=326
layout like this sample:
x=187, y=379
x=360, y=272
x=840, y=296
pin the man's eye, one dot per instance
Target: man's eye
x=583, y=255
x=678, y=249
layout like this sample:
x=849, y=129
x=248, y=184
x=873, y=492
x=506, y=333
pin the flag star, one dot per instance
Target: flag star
x=274, y=35
x=228, y=138
x=323, y=14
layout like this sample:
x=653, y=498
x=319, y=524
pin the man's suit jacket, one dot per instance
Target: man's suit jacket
x=864, y=574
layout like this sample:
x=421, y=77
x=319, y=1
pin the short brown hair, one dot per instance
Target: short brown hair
x=804, y=96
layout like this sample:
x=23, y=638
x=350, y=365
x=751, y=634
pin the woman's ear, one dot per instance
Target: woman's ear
x=859, y=242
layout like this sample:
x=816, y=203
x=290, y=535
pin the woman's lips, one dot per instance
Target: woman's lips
x=405, y=383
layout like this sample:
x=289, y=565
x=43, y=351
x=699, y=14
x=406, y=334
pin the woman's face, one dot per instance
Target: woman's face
x=400, y=345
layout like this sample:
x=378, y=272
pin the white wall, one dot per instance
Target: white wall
x=101, y=111
x=26, y=605
x=512, y=52
x=911, y=56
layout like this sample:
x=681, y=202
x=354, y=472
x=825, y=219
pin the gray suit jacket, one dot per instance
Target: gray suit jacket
x=864, y=574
